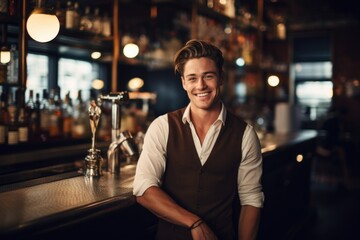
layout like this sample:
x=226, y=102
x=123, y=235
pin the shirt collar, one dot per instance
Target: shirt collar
x=221, y=118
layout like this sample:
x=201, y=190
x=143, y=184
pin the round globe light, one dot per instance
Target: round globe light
x=273, y=80
x=5, y=55
x=135, y=84
x=98, y=84
x=131, y=50
x=240, y=62
x=95, y=55
x=42, y=26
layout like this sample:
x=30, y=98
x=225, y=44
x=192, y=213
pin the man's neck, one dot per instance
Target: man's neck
x=203, y=119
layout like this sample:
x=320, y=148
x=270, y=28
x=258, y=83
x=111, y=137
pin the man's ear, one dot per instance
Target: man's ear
x=222, y=78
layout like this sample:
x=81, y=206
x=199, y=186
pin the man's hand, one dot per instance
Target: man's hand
x=203, y=232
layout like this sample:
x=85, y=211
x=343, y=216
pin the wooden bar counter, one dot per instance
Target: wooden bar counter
x=71, y=205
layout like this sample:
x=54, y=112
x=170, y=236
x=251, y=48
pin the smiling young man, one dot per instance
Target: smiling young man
x=199, y=161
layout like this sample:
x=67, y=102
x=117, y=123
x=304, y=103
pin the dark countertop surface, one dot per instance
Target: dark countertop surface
x=71, y=196
x=63, y=197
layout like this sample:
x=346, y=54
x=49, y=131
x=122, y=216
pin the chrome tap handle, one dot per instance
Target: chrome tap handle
x=116, y=97
x=128, y=147
x=94, y=117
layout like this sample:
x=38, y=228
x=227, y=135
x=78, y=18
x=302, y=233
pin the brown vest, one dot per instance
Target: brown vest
x=208, y=190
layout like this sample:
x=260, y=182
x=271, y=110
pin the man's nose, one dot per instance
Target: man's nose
x=201, y=83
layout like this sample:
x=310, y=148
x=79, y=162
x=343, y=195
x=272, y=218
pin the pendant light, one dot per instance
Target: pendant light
x=42, y=24
x=4, y=50
x=5, y=55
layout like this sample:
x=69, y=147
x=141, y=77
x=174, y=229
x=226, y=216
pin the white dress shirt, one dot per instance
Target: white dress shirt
x=152, y=161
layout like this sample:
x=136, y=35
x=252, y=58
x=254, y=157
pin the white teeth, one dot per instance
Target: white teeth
x=202, y=94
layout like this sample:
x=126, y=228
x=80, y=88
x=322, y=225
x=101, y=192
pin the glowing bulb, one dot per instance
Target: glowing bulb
x=131, y=50
x=240, y=62
x=135, y=83
x=5, y=55
x=42, y=27
x=228, y=29
x=273, y=80
x=98, y=84
x=299, y=158
x=95, y=55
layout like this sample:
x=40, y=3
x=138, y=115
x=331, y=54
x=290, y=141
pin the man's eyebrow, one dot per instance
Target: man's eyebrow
x=213, y=72
x=204, y=73
x=190, y=75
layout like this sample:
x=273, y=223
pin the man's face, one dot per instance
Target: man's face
x=202, y=81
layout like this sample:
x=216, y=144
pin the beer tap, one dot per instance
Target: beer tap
x=93, y=161
x=123, y=139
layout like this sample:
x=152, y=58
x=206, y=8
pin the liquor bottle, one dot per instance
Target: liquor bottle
x=72, y=16
x=67, y=110
x=69, y=15
x=80, y=127
x=59, y=111
x=13, y=129
x=76, y=16
x=55, y=126
x=86, y=20
x=96, y=28
x=22, y=117
x=30, y=114
x=3, y=119
x=44, y=116
x=37, y=127
x=106, y=26
x=23, y=126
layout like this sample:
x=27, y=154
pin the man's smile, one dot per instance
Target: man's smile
x=202, y=94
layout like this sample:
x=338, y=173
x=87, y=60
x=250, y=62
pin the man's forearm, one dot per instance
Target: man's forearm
x=160, y=203
x=249, y=222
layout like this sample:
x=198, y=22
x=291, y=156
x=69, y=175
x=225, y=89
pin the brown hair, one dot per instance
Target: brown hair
x=197, y=49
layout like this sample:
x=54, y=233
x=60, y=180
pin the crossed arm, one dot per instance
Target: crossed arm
x=159, y=203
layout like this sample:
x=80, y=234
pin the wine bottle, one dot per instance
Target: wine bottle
x=67, y=111
x=30, y=114
x=22, y=117
x=23, y=126
x=44, y=116
x=86, y=21
x=13, y=129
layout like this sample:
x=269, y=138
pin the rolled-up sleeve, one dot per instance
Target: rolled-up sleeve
x=250, y=170
x=151, y=163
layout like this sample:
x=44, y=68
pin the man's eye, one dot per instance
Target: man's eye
x=209, y=76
